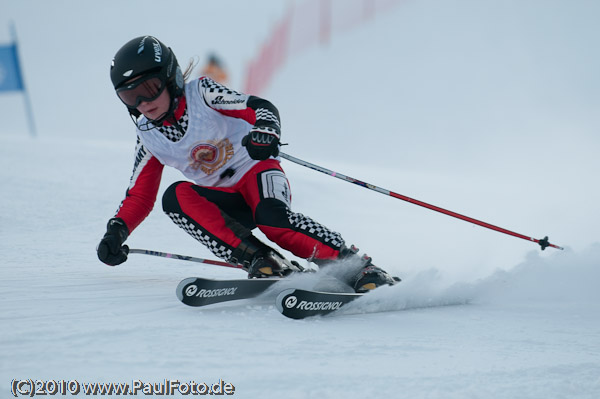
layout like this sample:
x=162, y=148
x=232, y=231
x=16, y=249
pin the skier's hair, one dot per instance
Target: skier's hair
x=189, y=69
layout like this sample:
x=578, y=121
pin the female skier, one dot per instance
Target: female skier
x=227, y=144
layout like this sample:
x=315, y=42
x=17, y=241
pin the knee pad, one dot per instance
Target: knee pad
x=272, y=212
x=170, y=203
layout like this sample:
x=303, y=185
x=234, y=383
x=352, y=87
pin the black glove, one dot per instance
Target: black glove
x=111, y=249
x=262, y=142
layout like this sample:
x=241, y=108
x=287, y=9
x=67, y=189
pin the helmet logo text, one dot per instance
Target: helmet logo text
x=157, y=51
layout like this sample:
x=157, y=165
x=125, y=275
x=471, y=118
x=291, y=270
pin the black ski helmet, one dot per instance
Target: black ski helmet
x=147, y=55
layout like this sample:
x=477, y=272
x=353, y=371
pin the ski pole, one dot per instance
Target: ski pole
x=182, y=257
x=542, y=242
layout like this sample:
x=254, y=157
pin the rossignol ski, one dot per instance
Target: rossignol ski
x=198, y=291
x=299, y=304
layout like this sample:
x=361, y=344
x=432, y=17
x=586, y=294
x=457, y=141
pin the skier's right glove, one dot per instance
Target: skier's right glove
x=111, y=249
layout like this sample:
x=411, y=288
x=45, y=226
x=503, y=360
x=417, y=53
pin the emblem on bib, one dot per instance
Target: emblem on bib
x=211, y=155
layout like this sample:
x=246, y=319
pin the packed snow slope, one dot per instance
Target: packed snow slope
x=488, y=109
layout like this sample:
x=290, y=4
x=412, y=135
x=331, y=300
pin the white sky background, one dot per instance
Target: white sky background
x=486, y=108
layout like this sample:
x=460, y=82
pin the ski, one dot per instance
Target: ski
x=198, y=291
x=299, y=304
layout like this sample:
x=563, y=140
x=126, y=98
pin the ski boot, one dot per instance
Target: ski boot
x=271, y=264
x=262, y=261
x=369, y=276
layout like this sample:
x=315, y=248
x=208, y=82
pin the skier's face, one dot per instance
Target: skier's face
x=157, y=108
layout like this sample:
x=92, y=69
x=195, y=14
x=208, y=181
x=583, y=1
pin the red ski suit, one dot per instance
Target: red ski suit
x=228, y=193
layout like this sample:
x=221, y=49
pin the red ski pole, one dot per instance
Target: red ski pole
x=183, y=257
x=542, y=242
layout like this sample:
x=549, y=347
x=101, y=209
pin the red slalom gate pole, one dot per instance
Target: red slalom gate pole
x=544, y=243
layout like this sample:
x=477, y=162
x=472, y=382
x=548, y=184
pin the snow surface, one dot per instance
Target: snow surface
x=489, y=109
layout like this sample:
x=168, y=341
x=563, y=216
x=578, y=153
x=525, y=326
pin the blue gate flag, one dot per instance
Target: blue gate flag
x=10, y=70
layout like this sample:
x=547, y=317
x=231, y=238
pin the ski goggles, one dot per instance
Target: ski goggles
x=146, y=88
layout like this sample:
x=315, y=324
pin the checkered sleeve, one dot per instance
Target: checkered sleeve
x=143, y=188
x=254, y=110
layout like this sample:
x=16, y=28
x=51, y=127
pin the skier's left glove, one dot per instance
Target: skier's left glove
x=111, y=249
x=262, y=142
